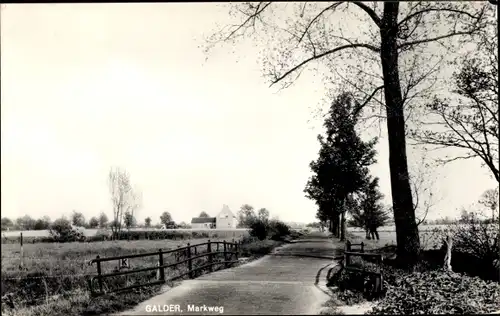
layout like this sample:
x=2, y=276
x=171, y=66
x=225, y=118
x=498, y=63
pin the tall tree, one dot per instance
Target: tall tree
x=204, y=214
x=394, y=53
x=342, y=165
x=124, y=198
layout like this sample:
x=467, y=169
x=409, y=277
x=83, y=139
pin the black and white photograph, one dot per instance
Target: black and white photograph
x=250, y=158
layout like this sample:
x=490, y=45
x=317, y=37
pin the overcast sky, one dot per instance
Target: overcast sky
x=88, y=87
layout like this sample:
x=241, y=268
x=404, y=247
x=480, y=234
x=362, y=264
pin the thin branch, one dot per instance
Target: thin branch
x=258, y=10
x=416, y=14
x=333, y=6
x=428, y=40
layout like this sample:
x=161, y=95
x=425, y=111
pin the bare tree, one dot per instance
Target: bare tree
x=125, y=199
x=393, y=53
x=423, y=190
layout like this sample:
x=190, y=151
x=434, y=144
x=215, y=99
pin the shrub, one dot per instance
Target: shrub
x=279, y=230
x=61, y=230
x=259, y=229
x=439, y=292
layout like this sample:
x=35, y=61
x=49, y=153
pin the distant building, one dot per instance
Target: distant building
x=203, y=222
x=224, y=220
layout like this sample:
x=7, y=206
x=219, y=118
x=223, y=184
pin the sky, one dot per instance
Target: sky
x=87, y=87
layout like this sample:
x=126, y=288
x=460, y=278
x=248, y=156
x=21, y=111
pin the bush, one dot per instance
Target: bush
x=259, y=229
x=279, y=230
x=61, y=230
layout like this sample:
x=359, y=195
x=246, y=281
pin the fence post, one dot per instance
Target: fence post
x=348, y=245
x=209, y=250
x=217, y=246
x=21, y=253
x=160, y=262
x=362, y=247
x=190, y=262
x=236, y=250
x=380, y=269
x=99, y=277
x=225, y=254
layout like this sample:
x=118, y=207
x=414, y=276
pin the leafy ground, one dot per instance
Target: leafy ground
x=55, y=276
x=425, y=291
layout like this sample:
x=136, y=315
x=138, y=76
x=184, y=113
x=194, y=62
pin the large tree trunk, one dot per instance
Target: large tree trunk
x=408, y=241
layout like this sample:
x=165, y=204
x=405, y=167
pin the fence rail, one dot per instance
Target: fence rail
x=229, y=251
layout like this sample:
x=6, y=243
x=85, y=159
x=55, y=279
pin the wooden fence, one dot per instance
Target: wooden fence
x=375, y=276
x=229, y=251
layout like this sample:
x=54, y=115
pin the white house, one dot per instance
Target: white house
x=224, y=220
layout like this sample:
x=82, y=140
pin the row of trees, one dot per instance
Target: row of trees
x=247, y=216
x=341, y=182
x=394, y=63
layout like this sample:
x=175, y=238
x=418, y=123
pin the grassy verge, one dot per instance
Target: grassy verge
x=68, y=294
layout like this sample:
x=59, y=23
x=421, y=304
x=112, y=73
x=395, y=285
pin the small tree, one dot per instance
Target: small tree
x=78, y=219
x=94, y=222
x=204, y=214
x=7, y=223
x=246, y=216
x=103, y=220
x=129, y=220
x=147, y=222
x=25, y=223
x=166, y=218
x=489, y=199
x=42, y=223
x=263, y=214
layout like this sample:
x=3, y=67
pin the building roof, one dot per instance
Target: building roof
x=202, y=220
x=225, y=209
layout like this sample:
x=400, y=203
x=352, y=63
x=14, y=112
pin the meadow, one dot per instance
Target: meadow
x=54, y=278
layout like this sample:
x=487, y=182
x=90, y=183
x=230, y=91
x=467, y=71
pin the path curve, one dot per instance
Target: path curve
x=291, y=280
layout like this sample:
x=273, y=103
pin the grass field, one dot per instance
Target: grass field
x=93, y=232
x=55, y=277
x=428, y=239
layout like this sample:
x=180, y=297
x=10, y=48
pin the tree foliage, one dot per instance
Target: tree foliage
x=204, y=214
x=103, y=220
x=147, y=222
x=367, y=211
x=165, y=218
x=78, y=219
x=246, y=216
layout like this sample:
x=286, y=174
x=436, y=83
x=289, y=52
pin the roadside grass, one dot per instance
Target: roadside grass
x=55, y=279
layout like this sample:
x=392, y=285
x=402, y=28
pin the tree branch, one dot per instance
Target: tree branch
x=314, y=57
x=361, y=106
x=370, y=12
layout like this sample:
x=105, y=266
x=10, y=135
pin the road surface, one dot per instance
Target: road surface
x=291, y=280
